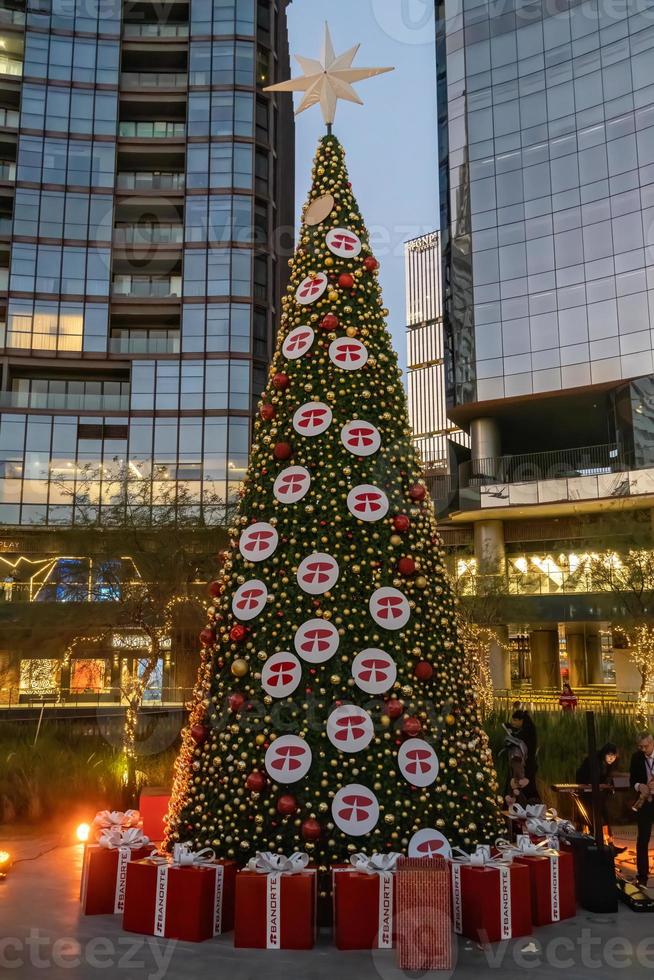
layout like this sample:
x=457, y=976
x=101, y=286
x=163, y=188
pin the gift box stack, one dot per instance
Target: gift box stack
x=116, y=839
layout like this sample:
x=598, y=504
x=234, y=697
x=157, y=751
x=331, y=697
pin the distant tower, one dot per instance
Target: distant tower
x=432, y=430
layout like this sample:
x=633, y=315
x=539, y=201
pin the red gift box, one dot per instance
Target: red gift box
x=275, y=911
x=153, y=807
x=424, y=915
x=190, y=902
x=491, y=902
x=552, y=886
x=364, y=913
x=104, y=874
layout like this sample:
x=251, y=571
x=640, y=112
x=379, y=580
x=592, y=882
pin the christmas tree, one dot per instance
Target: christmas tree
x=334, y=711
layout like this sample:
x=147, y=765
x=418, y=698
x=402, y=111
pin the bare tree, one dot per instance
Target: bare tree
x=155, y=546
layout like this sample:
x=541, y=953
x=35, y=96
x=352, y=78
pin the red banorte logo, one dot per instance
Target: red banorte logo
x=298, y=341
x=344, y=242
x=356, y=808
x=390, y=607
x=310, y=288
x=374, y=670
x=249, y=598
x=292, y=483
x=281, y=673
x=311, y=418
x=288, y=758
x=317, y=572
x=368, y=502
x=430, y=848
x=316, y=641
x=348, y=353
x=259, y=541
x=418, y=761
x=350, y=728
x=360, y=437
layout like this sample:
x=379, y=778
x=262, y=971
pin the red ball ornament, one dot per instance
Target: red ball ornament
x=215, y=588
x=394, y=708
x=423, y=670
x=406, y=566
x=345, y=280
x=370, y=263
x=238, y=633
x=311, y=829
x=418, y=492
x=281, y=381
x=267, y=411
x=256, y=781
x=236, y=701
x=199, y=734
x=411, y=726
x=401, y=523
x=286, y=804
x=207, y=636
x=329, y=322
x=283, y=450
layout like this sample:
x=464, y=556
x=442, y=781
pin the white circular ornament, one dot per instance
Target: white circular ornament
x=350, y=728
x=310, y=289
x=361, y=438
x=312, y=419
x=343, y=242
x=249, y=599
x=429, y=843
x=281, y=674
x=348, y=353
x=368, y=503
x=319, y=209
x=292, y=484
x=318, y=573
x=390, y=608
x=355, y=810
x=418, y=762
x=374, y=671
x=288, y=759
x=316, y=641
x=258, y=541
x=298, y=342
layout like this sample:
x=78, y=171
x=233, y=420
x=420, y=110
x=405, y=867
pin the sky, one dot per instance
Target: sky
x=390, y=142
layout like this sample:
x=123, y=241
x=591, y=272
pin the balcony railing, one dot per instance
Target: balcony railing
x=165, y=234
x=144, y=345
x=9, y=118
x=534, y=467
x=147, y=286
x=8, y=66
x=137, y=180
x=52, y=400
x=157, y=129
x=155, y=30
x=9, y=16
x=153, y=79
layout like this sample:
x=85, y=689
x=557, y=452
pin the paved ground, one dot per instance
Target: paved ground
x=42, y=932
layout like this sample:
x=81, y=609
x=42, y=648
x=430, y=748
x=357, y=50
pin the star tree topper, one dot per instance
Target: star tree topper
x=325, y=82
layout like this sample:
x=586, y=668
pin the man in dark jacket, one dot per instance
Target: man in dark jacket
x=641, y=777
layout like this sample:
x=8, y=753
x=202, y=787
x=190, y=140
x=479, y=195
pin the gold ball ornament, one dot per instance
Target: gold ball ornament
x=421, y=582
x=240, y=667
x=351, y=331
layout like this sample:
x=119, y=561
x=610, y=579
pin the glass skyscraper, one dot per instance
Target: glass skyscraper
x=145, y=194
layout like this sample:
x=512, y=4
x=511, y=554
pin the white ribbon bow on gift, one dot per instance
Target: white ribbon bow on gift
x=524, y=845
x=376, y=863
x=106, y=819
x=267, y=863
x=116, y=837
x=481, y=858
x=532, y=811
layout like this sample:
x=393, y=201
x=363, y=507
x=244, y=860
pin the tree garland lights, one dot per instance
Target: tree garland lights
x=303, y=667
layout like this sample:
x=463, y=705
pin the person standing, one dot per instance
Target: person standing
x=641, y=778
x=607, y=759
x=567, y=698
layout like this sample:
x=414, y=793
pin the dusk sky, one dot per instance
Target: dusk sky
x=393, y=134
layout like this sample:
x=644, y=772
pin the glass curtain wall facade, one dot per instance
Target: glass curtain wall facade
x=145, y=199
x=546, y=119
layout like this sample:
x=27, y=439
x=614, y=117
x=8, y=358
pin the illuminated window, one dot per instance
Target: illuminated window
x=87, y=676
x=40, y=676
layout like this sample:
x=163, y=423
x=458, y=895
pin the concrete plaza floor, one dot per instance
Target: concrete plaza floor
x=42, y=933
